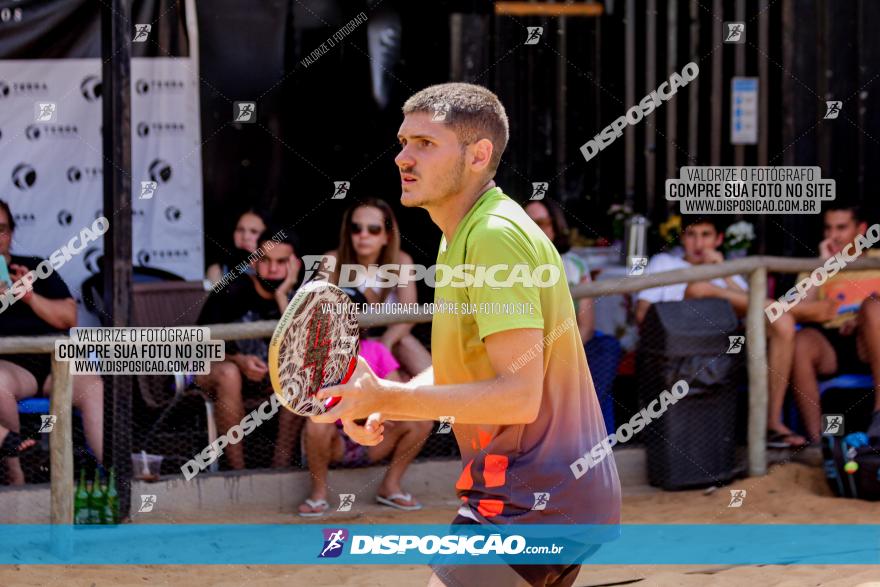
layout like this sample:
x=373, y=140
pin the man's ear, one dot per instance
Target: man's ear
x=481, y=154
x=719, y=239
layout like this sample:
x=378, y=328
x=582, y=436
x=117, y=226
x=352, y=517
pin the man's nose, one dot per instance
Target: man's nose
x=403, y=160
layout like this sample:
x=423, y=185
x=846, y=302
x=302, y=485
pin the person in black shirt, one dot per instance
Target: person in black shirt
x=47, y=308
x=250, y=298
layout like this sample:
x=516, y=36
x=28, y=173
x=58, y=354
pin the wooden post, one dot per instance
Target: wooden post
x=717, y=98
x=694, y=87
x=756, y=345
x=650, y=125
x=629, y=133
x=671, y=105
x=117, y=30
x=61, y=444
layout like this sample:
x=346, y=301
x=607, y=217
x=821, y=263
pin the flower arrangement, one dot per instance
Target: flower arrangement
x=619, y=213
x=670, y=231
x=738, y=237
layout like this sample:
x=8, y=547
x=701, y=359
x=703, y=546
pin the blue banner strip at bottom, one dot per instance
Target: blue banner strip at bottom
x=328, y=543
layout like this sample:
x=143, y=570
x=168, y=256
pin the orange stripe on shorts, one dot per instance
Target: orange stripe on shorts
x=490, y=508
x=494, y=470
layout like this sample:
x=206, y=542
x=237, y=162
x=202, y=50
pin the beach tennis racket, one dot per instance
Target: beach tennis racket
x=315, y=345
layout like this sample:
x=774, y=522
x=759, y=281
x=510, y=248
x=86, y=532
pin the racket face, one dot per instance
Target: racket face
x=315, y=345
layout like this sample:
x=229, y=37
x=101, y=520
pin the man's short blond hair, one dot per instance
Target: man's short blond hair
x=471, y=111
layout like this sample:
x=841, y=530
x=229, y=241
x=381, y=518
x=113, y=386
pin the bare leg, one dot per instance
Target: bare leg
x=412, y=355
x=15, y=383
x=815, y=356
x=403, y=440
x=223, y=384
x=780, y=356
x=289, y=426
x=323, y=445
x=869, y=341
x=88, y=398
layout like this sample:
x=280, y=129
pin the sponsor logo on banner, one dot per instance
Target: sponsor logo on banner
x=65, y=218
x=35, y=131
x=159, y=129
x=160, y=171
x=90, y=259
x=91, y=88
x=76, y=174
x=22, y=89
x=145, y=86
x=172, y=213
x=24, y=176
x=24, y=219
x=145, y=257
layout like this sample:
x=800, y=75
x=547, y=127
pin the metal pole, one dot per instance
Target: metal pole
x=672, y=105
x=756, y=343
x=739, y=66
x=694, y=86
x=116, y=33
x=629, y=134
x=717, y=98
x=650, y=125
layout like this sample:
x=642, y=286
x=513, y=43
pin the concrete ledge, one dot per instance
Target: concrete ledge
x=270, y=491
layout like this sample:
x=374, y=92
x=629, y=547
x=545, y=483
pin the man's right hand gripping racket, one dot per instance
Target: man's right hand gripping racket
x=315, y=345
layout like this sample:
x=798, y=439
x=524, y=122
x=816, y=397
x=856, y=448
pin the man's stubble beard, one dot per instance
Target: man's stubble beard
x=451, y=185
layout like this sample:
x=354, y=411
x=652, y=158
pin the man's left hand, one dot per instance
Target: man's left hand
x=361, y=396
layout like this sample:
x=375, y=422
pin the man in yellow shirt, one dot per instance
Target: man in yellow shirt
x=509, y=370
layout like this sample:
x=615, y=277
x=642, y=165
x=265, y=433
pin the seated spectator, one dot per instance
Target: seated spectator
x=47, y=308
x=603, y=351
x=248, y=228
x=370, y=238
x=700, y=239
x=326, y=444
x=262, y=296
x=842, y=319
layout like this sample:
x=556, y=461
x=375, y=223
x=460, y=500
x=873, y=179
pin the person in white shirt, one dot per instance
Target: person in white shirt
x=700, y=239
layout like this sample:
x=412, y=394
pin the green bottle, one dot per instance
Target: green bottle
x=97, y=500
x=81, y=511
x=111, y=511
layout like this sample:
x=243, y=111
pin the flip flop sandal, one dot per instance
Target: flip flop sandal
x=11, y=446
x=777, y=439
x=391, y=502
x=316, y=504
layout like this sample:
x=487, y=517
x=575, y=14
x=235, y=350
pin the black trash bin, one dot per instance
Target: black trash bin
x=693, y=444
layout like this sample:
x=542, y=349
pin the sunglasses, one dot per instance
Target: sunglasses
x=373, y=229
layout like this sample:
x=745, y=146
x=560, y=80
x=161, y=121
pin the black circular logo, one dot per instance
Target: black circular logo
x=4, y=89
x=91, y=88
x=32, y=132
x=172, y=213
x=143, y=257
x=24, y=176
x=74, y=174
x=142, y=86
x=65, y=218
x=143, y=129
x=91, y=258
x=160, y=171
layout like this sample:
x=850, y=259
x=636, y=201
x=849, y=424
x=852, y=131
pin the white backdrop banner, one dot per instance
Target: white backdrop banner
x=51, y=164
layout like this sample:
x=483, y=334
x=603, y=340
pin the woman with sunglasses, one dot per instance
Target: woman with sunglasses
x=603, y=351
x=370, y=238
